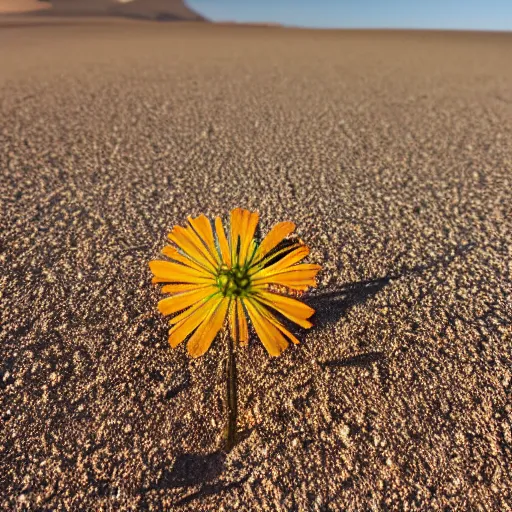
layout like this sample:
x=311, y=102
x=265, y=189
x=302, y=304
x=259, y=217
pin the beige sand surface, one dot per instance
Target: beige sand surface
x=392, y=151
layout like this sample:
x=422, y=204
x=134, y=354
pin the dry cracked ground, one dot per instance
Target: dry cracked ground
x=392, y=151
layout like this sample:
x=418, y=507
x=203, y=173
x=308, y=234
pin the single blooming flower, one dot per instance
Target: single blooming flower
x=212, y=277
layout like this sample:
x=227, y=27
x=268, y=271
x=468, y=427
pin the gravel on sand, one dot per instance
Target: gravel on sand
x=392, y=152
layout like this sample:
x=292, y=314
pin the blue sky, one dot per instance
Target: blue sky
x=440, y=14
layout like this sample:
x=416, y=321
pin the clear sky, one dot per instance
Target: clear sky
x=440, y=14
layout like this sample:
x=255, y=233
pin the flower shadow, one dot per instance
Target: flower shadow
x=199, y=473
x=331, y=306
x=191, y=469
x=211, y=489
x=359, y=360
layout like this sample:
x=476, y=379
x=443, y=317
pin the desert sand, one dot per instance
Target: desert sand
x=392, y=153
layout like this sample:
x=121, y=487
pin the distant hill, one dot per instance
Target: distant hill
x=164, y=10
x=80, y=7
x=156, y=9
x=22, y=6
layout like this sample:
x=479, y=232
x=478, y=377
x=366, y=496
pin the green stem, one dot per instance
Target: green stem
x=231, y=392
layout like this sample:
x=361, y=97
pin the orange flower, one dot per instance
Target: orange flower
x=212, y=277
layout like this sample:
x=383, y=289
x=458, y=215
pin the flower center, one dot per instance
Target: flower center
x=233, y=282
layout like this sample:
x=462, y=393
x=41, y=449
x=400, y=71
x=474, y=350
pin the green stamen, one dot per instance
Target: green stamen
x=233, y=282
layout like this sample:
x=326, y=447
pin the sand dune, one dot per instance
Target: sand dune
x=150, y=9
x=158, y=9
x=77, y=7
x=172, y=10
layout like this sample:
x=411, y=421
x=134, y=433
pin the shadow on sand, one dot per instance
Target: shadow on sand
x=361, y=360
x=191, y=470
x=331, y=306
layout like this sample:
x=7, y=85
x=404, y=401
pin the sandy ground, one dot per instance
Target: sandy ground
x=392, y=153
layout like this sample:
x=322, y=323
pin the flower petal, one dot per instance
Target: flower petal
x=247, y=235
x=243, y=330
x=223, y=241
x=271, y=338
x=203, y=228
x=200, y=245
x=174, y=254
x=237, y=216
x=176, y=319
x=277, y=234
x=271, y=255
x=238, y=322
x=284, y=263
x=166, y=271
x=181, y=301
x=302, y=267
x=202, y=338
x=251, y=253
x=233, y=328
x=189, y=323
x=292, y=309
x=180, y=287
x=183, y=239
x=274, y=321
x=301, y=286
x=299, y=275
